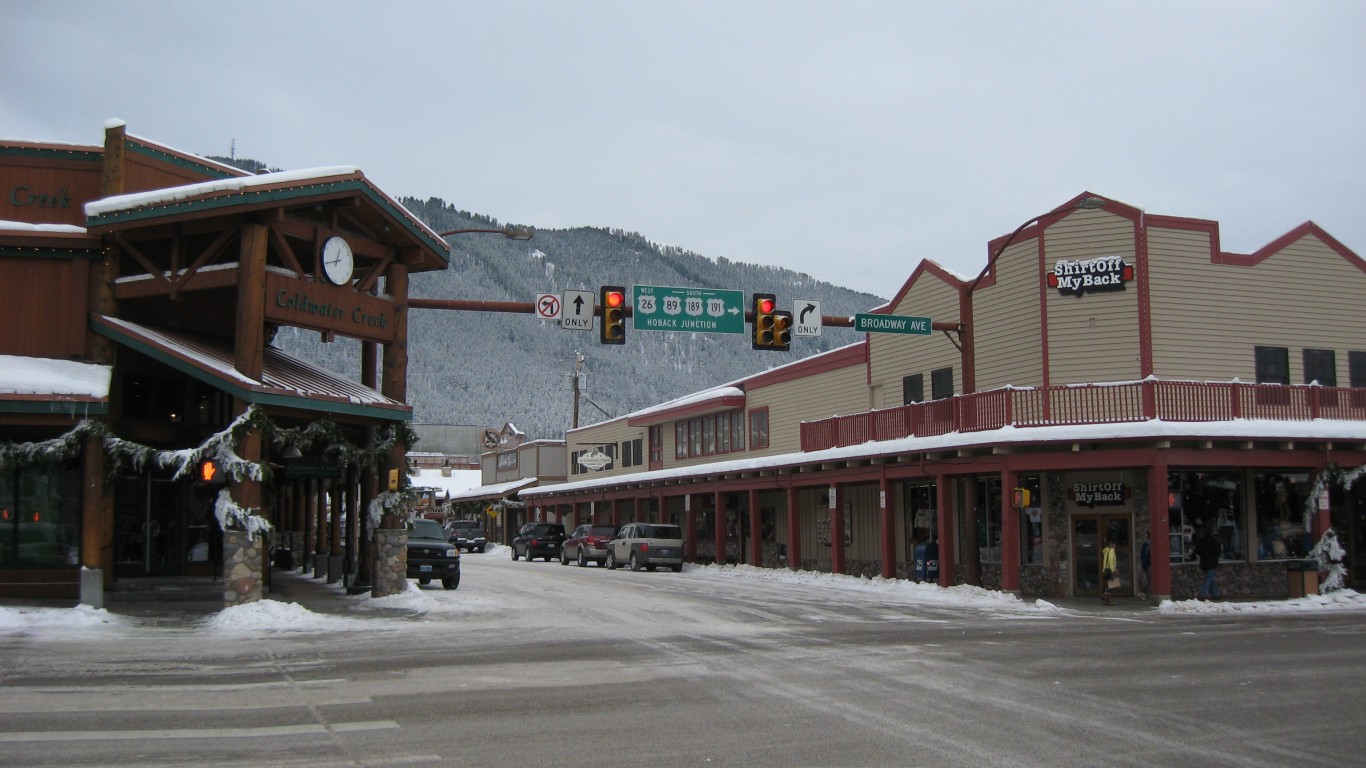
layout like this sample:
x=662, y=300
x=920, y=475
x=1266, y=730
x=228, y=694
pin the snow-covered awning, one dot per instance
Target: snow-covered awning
x=46, y=385
x=497, y=491
x=285, y=381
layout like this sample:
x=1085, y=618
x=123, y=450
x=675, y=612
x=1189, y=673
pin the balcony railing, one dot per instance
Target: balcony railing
x=1186, y=401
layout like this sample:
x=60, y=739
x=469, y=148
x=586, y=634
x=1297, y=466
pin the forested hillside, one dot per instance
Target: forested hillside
x=489, y=368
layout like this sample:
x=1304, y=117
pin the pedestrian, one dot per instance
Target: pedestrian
x=1145, y=561
x=1208, y=550
x=1109, y=571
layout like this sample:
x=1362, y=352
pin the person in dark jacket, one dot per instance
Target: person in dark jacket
x=1208, y=550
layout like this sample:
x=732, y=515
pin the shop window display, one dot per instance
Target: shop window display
x=1205, y=499
x=40, y=515
x=1281, y=499
x=989, y=519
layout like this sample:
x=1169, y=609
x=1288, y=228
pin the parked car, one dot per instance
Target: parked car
x=467, y=535
x=646, y=545
x=538, y=540
x=587, y=543
x=431, y=556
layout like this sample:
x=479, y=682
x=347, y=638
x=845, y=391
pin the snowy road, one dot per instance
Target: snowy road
x=541, y=663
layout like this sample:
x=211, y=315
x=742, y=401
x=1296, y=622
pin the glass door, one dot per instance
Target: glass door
x=1089, y=533
x=148, y=540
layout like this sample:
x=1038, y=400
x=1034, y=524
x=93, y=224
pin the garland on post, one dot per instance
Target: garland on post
x=219, y=447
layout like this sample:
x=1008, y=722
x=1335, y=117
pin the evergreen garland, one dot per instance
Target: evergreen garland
x=219, y=447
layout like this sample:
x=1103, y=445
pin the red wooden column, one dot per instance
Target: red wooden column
x=836, y=530
x=1010, y=533
x=944, y=511
x=794, y=530
x=689, y=530
x=888, y=528
x=1160, y=572
x=756, y=533
x=719, y=526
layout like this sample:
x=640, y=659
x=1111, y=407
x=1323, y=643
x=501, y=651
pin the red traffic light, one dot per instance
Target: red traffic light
x=613, y=298
x=766, y=305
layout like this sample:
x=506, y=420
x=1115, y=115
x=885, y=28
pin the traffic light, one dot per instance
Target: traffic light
x=772, y=328
x=782, y=331
x=612, y=329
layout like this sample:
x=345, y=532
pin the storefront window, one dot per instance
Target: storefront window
x=1031, y=521
x=1281, y=499
x=1205, y=499
x=40, y=515
x=989, y=519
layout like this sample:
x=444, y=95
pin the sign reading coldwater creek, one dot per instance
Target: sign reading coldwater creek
x=1108, y=273
x=921, y=326
x=307, y=304
x=699, y=310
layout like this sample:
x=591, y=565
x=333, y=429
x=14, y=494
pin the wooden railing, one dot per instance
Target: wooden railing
x=1148, y=400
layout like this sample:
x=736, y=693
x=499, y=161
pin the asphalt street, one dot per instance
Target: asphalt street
x=541, y=663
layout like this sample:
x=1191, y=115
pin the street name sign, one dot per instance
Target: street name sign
x=806, y=316
x=867, y=323
x=696, y=310
x=576, y=311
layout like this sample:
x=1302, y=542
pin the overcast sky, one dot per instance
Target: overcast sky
x=844, y=139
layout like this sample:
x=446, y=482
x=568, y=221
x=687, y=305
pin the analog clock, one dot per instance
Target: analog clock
x=338, y=261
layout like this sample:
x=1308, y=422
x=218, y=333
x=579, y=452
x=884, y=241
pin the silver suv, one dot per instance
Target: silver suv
x=646, y=545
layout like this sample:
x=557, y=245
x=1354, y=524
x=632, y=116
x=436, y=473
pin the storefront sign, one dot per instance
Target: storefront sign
x=323, y=307
x=24, y=197
x=308, y=469
x=1108, y=273
x=507, y=460
x=1114, y=494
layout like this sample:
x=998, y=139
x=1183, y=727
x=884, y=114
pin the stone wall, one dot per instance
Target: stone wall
x=391, y=562
x=242, y=563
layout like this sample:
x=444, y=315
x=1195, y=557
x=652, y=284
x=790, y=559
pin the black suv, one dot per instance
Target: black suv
x=538, y=540
x=466, y=535
x=430, y=556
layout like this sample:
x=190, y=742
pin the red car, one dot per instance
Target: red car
x=587, y=542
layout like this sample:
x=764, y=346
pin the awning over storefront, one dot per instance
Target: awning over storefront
x=48, y=386
x=285, y=381
x=494, y=492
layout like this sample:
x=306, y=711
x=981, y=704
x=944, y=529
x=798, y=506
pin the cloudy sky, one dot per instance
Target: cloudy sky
x=844, y=139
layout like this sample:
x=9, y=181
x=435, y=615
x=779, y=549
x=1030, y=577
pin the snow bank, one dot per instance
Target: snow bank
x=1344, y=599
x=80, y=617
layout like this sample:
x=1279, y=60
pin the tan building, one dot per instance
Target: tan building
x=1114, y=374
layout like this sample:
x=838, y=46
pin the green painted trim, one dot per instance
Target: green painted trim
x=59, y=407
x=242, y=197
x=48, y=253
x=87, y=155
x=165, y=157
x=248, y=394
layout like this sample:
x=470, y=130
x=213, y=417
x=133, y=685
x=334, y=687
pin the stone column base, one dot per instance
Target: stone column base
x=335, y=563
x=92, y=587
x=391, y=562
x=242, y=568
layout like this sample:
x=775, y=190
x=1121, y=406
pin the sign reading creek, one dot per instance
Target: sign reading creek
x=696, y=310
x=920, y=326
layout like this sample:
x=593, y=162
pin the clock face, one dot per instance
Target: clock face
x=338, y=261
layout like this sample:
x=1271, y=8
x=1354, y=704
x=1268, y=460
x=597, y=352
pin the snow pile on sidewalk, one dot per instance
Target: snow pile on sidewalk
x=80, y=617
x=1342, y=599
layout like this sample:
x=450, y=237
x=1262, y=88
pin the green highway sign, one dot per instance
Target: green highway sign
x=695, y=310
x=920, y=326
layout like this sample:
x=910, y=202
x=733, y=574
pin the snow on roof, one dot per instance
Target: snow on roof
x=460, y=480
x=1248, y=429
x=48, y=376
x=24, y=226
x=239, y=184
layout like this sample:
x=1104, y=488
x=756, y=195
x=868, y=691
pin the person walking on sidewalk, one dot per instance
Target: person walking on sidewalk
x=1208, y=550
x=1109, y=571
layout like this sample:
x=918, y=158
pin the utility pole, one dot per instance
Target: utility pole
x=578, y=366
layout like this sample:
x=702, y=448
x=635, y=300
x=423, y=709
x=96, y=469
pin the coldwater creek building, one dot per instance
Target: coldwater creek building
x=142, y=404
x=1110, y=374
